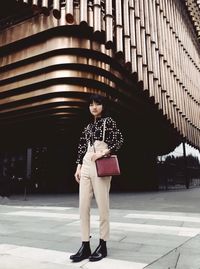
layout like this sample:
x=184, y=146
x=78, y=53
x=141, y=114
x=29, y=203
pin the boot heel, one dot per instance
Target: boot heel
x=100, y=252
x=83, y=253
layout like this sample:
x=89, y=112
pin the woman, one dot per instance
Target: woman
x=91, y=148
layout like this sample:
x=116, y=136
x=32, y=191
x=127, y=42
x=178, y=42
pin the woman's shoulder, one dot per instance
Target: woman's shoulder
x=110, y=121
x=87, y=127
x=109, y=118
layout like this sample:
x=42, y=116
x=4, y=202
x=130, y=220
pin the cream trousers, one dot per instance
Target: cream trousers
x=91, y=184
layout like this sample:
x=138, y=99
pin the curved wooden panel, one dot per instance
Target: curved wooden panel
x=137, y=53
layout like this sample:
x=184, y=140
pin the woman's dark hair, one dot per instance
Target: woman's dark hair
x=99, y=99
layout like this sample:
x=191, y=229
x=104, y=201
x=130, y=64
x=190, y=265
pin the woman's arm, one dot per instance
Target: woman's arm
x=82, y=147
x=113, y=136
x=100, y=154
x=78, y=173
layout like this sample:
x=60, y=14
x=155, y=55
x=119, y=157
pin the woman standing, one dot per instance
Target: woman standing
x=99, y=138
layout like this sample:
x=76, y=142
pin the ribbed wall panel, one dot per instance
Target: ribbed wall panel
x=65, y=51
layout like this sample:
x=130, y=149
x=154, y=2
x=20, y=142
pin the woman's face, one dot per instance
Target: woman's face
x=96, y=109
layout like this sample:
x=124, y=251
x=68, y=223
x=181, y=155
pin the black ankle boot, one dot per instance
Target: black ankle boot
x=83, y=253
x=100, y=252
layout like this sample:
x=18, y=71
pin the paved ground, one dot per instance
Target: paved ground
x=158, y=230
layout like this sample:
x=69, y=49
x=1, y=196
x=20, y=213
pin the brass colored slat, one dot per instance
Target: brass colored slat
x=35, y=2
x=132, y=37
x=69, y=10
x=154, y=42
x=127, y=40
x=83, y=12
x=119, y=28
x=90, y=16
x=109, y=24
x=56, y=9
x=97, y=16
x=45, y=7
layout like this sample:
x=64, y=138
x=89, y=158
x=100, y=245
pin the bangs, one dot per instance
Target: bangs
x=97, y=99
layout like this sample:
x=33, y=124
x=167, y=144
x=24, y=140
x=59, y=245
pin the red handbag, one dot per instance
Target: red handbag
x=108, y=166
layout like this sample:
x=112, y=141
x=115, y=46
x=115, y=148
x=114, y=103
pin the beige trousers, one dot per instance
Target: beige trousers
x=91, y=184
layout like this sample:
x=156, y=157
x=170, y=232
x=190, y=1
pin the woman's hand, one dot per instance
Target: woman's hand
x=96, y=156
x=100, y=154
x=77, y=174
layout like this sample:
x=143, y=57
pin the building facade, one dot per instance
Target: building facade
x=144, y=56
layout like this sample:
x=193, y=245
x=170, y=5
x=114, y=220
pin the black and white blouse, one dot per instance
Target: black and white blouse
x=94, y=131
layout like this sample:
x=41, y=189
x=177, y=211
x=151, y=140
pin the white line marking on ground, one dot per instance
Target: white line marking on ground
x=147, y=228
x=60, y=257
x=164, y=217
x=42, y=214
x=114, y=264
x=59, y=208
x=46, y=215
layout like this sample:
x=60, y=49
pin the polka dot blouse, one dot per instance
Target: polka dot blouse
x=94, y=131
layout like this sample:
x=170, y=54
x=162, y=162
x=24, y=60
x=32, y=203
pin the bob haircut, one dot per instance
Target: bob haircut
x=101, y=100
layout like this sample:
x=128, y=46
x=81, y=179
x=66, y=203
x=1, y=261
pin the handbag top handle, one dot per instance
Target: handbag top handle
x=104, y=130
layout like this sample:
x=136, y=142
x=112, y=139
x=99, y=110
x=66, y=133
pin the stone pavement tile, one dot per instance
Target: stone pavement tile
x=151, y=249
x=132, y=256
x=45, y=227
x=45, y=208
x=59, y=246
x=189, y=254
x=30, y=255
x=70, y=234
x=9, y=262
x=124, y=220
x=172, y=200
x=133, y=241
x=191, y=225
x=69, y=244
x=164, y=222
x=193, y=243
x=40, y=227
x=56, y=237
x=15, y=257
x=154, y=239
x=7, y=208
x=72, y=229
x=117, y=236
x=113, y=264
x=18, y=219
x=30, y=219
x=169, y=219
x=163, y=215
x=188, y=260
x=181, y=231
x=43, y=214
x=186, y=256
x=16, y=240
x=125, y=246
x=4, y=230
x=135, y=252
x=4, y=248
x=165, y=262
